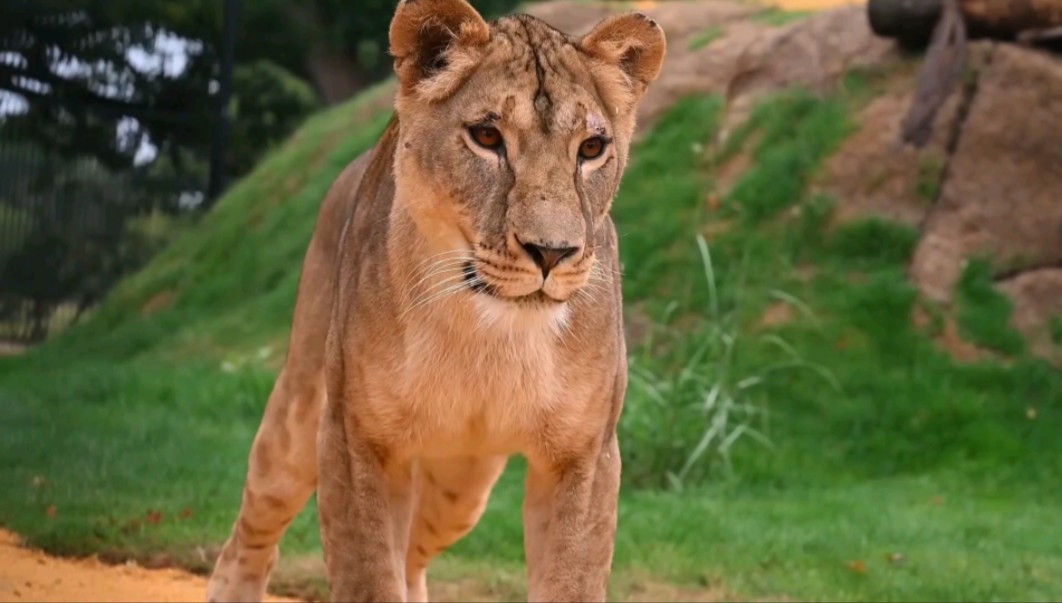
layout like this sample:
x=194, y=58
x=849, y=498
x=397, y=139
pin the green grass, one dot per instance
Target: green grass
x=653, y=220
x=796, y=132
x=984, y=312
x=776, y=17
x=706, y=37
x=930, y=171
x=1054, y=327
x=874, y=242
x=916, y=478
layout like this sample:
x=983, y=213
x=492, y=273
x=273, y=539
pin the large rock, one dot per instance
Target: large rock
x=1037, y=297
x=748, y=60
x=874, y=173
x=752, y=60
x=1002, y=197
x=876, y=176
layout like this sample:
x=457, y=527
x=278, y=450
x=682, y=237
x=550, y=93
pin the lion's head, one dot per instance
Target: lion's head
x=517, y=136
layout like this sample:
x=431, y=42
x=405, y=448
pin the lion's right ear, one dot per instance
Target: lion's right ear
x=435, y=43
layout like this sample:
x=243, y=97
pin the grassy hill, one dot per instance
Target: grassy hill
x=789, y=431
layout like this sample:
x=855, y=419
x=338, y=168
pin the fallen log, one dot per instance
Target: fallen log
x=912, y=22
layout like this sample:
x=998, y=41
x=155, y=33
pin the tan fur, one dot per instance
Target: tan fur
x=427, y=346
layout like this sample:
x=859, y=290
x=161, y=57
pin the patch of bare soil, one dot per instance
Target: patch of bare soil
x=27, y=575
x=778, y=313
x=11, y=349
x=158, y=302
x=951, y=341
x=813, y=4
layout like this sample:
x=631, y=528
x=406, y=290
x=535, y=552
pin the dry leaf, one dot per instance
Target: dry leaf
x=714, y=201
x=185, y=513
x=51, y=511
x=153, y=518
x=778, y=313
x=858, y=566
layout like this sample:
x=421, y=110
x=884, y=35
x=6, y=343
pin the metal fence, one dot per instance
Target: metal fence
x=67, y=234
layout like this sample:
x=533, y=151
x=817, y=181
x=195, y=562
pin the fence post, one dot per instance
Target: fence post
x=219, y=144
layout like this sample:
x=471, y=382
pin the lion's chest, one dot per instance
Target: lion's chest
x=472, y=395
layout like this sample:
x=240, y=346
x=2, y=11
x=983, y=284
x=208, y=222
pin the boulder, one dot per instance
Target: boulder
x=1002, y=195
x=1037, y=297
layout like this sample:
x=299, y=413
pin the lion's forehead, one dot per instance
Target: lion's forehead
x=535, y=77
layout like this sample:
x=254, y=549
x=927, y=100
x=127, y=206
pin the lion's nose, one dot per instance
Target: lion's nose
x=547, y=257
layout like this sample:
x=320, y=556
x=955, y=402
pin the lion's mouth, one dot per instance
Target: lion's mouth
x=476, y=283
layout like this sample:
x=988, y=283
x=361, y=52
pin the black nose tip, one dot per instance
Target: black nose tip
x=547, y=257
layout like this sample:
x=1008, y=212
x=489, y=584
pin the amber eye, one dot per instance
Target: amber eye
x=592, y=148
x=486, y=137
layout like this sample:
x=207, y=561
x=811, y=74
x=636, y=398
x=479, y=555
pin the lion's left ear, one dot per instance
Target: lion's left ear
x=631, y=41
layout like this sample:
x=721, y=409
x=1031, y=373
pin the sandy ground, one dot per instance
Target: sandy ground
x=27, y=575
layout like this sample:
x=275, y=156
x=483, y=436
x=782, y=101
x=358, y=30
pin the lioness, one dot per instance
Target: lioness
x=460, y=303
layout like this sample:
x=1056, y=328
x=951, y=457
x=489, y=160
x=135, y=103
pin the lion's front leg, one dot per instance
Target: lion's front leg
x=570, y=526
x=365, y=503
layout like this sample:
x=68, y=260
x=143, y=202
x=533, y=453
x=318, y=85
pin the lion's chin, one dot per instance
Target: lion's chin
x=534, y=312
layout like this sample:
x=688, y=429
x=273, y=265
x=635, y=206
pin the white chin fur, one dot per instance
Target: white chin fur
x=500, y=315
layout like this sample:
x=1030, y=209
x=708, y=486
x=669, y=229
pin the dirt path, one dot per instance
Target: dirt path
x=27, y=575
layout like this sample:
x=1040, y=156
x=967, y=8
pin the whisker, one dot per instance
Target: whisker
x=442, y=294
x=439, y=259
x=442, y=267
x=441, y=255
x=450, y=262
x=456, y=278
x=591, y=289
x=445, y=254
x=585, y=294
x=445, y=275
x=600, y=274
x=481, y=322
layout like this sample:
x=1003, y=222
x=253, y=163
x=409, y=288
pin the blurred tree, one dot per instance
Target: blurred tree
x=269, y=103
